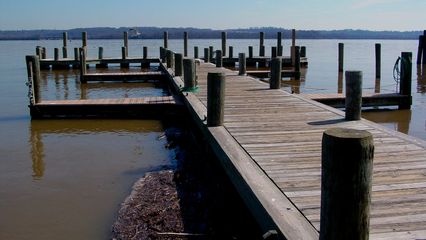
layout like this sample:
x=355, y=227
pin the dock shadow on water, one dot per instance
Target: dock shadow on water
x=195, y=200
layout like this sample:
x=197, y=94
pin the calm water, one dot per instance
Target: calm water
x=64, y=179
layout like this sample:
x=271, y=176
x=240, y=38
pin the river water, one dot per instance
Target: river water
x=64, y=179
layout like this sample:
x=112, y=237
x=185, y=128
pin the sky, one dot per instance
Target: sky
x=399, y=15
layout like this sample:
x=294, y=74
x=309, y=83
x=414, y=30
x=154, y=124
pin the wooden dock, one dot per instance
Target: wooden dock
x=270, y=146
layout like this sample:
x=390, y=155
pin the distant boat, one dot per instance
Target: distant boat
x=134, y=33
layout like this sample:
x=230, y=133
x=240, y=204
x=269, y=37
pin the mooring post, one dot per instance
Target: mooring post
x=33, y=70
x=261, y=51
x=219, y=60
x=420, y=50
x=206, y=55
x=123, y=53
x=39, y=51
x=303, y=51
x=405, y=78
x=189, y=75
x=163, y=54
x=44, y=53
x=64, y=52
x=76, y=64
x=250, y=51
x=211, y=53
x=185, y=44
x=82, y=64
x=293, y=45
x=195, y=52
x=424, y=49
x=124, y=64
x=378, y=48
x=261, y=44
x=215, y=99
x=145, y=52
x=178, y=64
x=126, y=42
x=242, y=64
x=224, y=43
x=170, y=59
x=56, y=54
x=273, y=52
x=231, y=52
x=279, y=44
x=64, y=45
x=100, y=53
x=353, y=100
x=84, y=39
x=341, y=56
x=346, y=177
x=166, y=40
x=297, y=63
x=276, y=67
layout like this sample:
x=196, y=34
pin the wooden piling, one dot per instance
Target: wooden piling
x=206, y=55
x=178, y=64
x=100, y=53
x=76, y=54
x=211, y=53
x=56, y=54
x=293, y=46
x=279, y=44
x=84, y=39
x=250, y=51
x=195, y=52
x=170, y=59
x=230, y=52
x=33, y=70
x=274, y=52
x=38, y=51
x=341, y=56
x=424, y=49
x=276, y=67
x=166, y=40
x=242, y=69
x=353, y=100
x=185, y=44
x=126, y=42
x=303, y=51
x=145, y=52
x=262, y=51
x=297, y=63
x=64, y=39
x=189, y=74
x=224, y=43
x=346, y=179
x=44, y=53
x=219, y=60
x=261, y=40
x=163, y=54
x=420, y=50
x=124, y=56
x=215, y=99
x=405, y=78
x=378, y=49
x=64, y=52
x=83, y=69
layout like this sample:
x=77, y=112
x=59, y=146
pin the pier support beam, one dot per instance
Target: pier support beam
x=261, y=44
x=185, y=44
x=347, y=168
x=64, y=46
x=224, y=43
x=378, y=50
x=178, y=64
x=33, y=71
x=279, y=44
x=84, y=39
x=83, y=69
x=293, y=46
x=276, y=66
x=420, y=50
x=242, y=64
x=166, y=40
x=195, y=52
x=405, y=78
x=126, y=42
x=170, y=59
x=206, y=55
x=124, y=56
x=211, y=53
x=353, y=100
x=297, y=63
x=189, y=74
x=219, y=60
x=341, y=56
x=215, y=99
x=100, y=57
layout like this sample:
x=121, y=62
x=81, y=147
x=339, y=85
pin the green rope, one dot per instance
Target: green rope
x=190, y=89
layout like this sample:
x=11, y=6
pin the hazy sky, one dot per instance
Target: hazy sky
x=216, y=14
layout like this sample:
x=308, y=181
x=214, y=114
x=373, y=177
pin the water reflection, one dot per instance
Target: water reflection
x=399, y=119
x=421, y=78
x=37, y=153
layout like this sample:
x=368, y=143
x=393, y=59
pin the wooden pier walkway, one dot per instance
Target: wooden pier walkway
x=270, y=146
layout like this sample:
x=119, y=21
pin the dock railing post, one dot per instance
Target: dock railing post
x=195, y=52
x=420, y=50
x=170, y=59
x=82, y=64
x=84, y=39
x=166, y=40
x=378, y=50
x=185, y=44
x=178, y=64
x=341, y=56
x=215, y=99
x=206, y=55
x=346, y=177
x=219, y=60
x=353, y=99
x=405, y=78
x=224, y=43
x=242, y=64
x=33, y=70
x=276, y=68
x=189, y=73
x=297, y=62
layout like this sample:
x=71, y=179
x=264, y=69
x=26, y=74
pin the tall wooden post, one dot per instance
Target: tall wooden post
x=276, y=67
x=341, y=56
x=170, y=59
x=64, y=52
x=346, y=177
x=261, y=44
x=126, y=42
x=195, y=52
x=273, y=52
x=82, y=64
x=166, y=40
x=250, y=51
x=303, y=51
x=420, y=50
x=279, y=44
x=293, y=45
x=242, y=64
x=378, y=48
x=262, y=50
x=215, y=99
x=39, y=51
x=44, y=53
x=64, y=46
x=124, y=57
x=297, y=63
x=405, y=78
x=211, y=53
x=163, y=54
x=219, y=60
x=84, y=39
x=224, y=43
x=424, y=49
x=178, y=64
x=231, y=52
x=33, y=71
x=56, y=54
x=100, y=53
x=185, y=44
x=145, y=52
x=189, y=75
x=353, y=101
x=206, y=55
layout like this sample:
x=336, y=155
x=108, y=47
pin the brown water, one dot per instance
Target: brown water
x=64, y=179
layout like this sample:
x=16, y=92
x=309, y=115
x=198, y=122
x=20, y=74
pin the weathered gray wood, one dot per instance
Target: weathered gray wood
x=224, y=43
x=126, y=42
x=56, y=54
x=420, y=50
x=378, y=50
x=185, y=44
x=166, y=40
x=33, y=70
x=64, y=39
x=405, y=78
x=279, y=44
x=178, y=64
x=276, y=66
x=242, y=69
x=250, y=51
x=341, y=56
x=195, y=52
x=189, y=73
x=231, y=52
x=353, y=101
x=297, y=62
x=215, y=99
x=346, y=180
x=84, y=39
x=206, y=55
x=274, y=52
x=170, y=59
x=219, y=60
x=211, y=55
